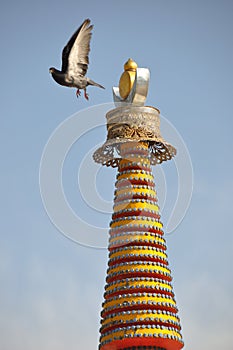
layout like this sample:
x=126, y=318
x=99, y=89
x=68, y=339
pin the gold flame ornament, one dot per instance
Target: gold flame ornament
x=127, y=78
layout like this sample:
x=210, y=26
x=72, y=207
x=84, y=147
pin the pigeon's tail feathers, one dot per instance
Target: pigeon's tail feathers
x=93, y=83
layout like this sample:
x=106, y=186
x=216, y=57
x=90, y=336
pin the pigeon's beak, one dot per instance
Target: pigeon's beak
x=50, y=70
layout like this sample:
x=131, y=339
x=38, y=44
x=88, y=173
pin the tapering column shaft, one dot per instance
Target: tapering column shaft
x=139, y=311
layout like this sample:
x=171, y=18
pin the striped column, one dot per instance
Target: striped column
x=139, y=310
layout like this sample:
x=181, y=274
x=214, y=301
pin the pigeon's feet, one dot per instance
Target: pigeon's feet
x=86, y=95
x=78, y=93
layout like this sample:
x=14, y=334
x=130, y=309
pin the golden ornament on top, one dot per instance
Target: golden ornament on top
x=127, y=78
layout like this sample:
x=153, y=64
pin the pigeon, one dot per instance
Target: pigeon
x=75, y=61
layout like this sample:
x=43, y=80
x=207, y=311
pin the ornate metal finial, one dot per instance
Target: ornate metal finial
x=133, y=85
x=131, y=121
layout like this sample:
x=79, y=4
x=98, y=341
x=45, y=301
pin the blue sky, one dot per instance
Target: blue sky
x=51, y=288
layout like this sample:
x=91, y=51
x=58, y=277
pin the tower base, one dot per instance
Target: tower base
x=149, y=344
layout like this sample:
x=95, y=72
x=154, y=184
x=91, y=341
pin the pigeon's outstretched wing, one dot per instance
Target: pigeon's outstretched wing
x=75, y=53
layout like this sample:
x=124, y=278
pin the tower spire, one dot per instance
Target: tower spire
x=139, y=308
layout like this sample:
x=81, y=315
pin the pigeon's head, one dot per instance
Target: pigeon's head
x=51, y=70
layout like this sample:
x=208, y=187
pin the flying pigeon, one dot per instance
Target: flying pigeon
x=75, y=61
